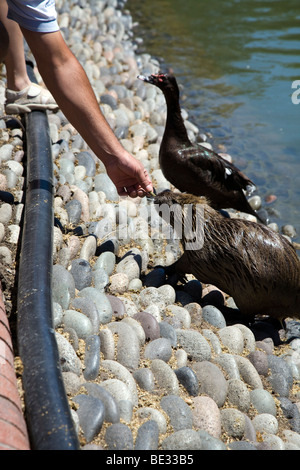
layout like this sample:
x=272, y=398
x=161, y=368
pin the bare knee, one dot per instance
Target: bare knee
x=4, y=41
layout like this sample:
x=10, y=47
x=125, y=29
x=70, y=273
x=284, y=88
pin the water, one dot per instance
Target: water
x=237, y=61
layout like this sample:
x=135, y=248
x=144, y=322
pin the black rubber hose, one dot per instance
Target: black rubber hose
x=49, y=421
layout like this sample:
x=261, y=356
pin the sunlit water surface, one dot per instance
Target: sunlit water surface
x=237, y=61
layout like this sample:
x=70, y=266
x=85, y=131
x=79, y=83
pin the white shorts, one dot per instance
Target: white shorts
x=39, y=16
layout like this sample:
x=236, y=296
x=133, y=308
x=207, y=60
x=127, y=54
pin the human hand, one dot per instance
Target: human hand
x=129, y=176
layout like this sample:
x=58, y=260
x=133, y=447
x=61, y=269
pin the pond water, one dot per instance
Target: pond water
x=238, y=61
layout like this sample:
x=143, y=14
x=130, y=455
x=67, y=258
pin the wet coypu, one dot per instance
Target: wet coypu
x=248, y=261
x=193, y=168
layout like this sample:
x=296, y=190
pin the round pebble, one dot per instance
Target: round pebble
x=180, y=414
x=159, y=348
x=265, y=423
x=147, y=436
x=119, y=437
x=165, y=376
x=263, y=401
x=92, y=357
x=185, y=439
x=188, y=379
x=212, y=315
x=194, y=343
x=232, y=338
x=212, y=381
x=238, y=395
x=79, y=322
x=91, y=414
x=233, y=422
x=206, y=415
x=149, y=324
x=145, y=379
x=112, y=412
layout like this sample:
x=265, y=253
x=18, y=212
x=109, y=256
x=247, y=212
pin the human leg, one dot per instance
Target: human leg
x=16, y=74
x=21, y=94
x=4, y=41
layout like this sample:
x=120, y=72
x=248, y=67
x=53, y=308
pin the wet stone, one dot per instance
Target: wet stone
x=155, y=278
x=194, y=289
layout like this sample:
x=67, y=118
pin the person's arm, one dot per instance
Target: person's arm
x=67, y=81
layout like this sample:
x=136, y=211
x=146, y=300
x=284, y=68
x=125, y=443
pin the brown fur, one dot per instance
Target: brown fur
x=256, y=266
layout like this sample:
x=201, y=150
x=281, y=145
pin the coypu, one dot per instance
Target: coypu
x=193, y=168
x=259, y=268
